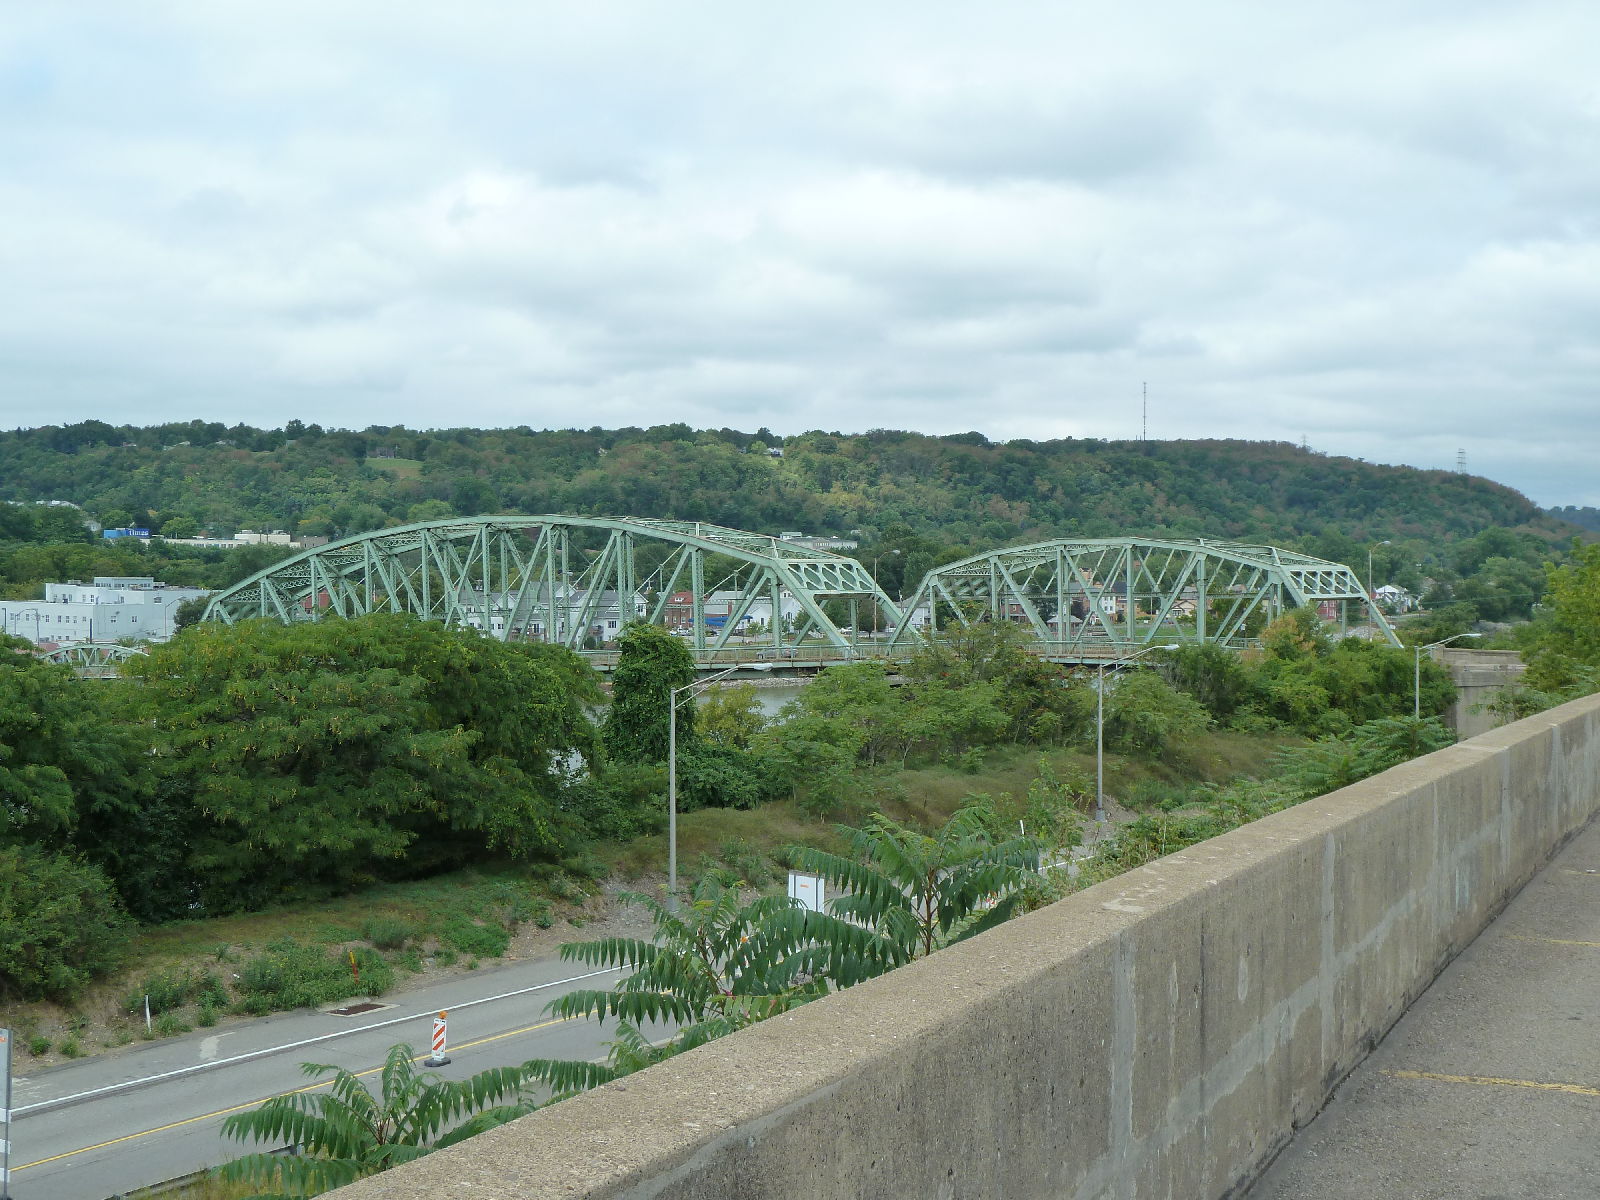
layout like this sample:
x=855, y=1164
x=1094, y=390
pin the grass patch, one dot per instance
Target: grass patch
x=399, y=468
x=760, y=831
x=387, y=932
x=475, y=938
x=420, y=906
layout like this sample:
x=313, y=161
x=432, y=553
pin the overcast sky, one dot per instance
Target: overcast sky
x=1371, y=226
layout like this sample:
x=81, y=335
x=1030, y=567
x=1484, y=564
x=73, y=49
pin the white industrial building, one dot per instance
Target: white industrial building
x=113, y=608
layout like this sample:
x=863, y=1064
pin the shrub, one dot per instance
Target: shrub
x=387, y=933
x=1144, y=716
x=72, y=1048
x=169, y=1024
x=170, y=990
x=60, y=924
x=166, y=990
x=39, y=1046
x=474, y=938
x=624, y=801
x=292, y=975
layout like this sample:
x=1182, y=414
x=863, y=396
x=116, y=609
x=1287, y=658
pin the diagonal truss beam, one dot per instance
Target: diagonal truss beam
x=1088, y=598
x=569, y=580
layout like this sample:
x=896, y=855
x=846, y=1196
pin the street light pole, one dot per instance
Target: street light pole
x=1100, y=730
x=1416, y=671
x=690, y=689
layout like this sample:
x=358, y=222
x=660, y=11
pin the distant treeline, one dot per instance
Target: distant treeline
x=960, y=489
x=1584, y=518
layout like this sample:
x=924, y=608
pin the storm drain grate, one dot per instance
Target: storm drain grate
x=350, y=1010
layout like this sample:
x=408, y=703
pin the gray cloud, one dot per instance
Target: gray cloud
x=1375, y=227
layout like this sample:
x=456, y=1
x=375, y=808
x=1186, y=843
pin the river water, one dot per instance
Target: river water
x=771, y=697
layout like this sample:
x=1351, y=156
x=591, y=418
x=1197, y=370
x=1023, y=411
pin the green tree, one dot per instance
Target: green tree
x=74, y=769
x=1573, y=631
x=1038, y=700
x=1143, y=715
x=1211, y=674
x=315, y=754
x=1369, y=748
x=651, y=663
x=920, y=891
x=61, y=925
x=720, y=963
x=347, y=1133
x=189, y=612
x=847, y=718
x=180, y=527
x=730, y=716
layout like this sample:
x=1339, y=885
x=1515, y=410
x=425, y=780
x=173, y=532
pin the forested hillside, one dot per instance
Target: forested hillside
x=1585, y=518
x=960, y=490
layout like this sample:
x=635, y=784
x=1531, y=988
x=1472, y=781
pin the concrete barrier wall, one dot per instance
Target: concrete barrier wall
x=1158, y=1035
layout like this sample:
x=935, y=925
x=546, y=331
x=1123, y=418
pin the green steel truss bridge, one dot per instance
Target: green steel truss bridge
x=94, y=660
x=574, y=581
x=745, y=597
x=1092, y=599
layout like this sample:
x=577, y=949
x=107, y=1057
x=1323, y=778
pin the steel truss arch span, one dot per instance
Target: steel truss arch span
x=572, y=581
x=93, y=659
x=1089, y=599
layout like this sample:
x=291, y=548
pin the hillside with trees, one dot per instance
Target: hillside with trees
x=960, y=489
x=910, y=500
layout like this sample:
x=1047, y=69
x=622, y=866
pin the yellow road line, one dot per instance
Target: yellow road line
x=1575, y=1089
x=1523, y=937
x=311, y=1087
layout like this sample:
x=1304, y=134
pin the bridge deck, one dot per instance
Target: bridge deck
x=1489, y=1086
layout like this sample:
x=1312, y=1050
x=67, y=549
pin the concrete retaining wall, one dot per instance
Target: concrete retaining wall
x=1161, y=1034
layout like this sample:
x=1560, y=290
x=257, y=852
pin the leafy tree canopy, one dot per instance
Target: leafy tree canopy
x=321, y=752
x=60, y=924
x=921, y=891
x=651, y=663
x=347, y=1133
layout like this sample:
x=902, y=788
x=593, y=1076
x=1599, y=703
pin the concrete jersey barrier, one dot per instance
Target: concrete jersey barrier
x=1158, y=1035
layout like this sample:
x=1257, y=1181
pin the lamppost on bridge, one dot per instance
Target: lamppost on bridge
x=1416, y=671
x=687, y=691
x=877, y=613
x=1100, y=729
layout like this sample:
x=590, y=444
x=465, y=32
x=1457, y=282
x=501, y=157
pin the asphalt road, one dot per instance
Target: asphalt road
x=1488, y=1088
x=96, y=1128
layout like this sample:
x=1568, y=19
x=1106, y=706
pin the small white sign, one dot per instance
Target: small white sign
x=807, y=889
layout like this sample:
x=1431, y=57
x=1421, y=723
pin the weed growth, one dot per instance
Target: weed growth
x=292, y=974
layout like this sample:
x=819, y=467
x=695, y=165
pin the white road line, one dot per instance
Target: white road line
x=130, y=1084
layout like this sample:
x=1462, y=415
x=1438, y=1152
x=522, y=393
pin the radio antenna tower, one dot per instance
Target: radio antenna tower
x=1144, y=418
x=1461, y=461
